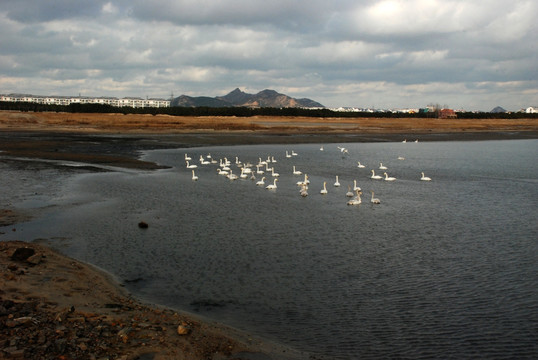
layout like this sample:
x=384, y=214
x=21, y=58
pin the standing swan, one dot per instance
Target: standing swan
x=337, y=183
x=272, y=186
x=374, y=176
x=194, y=177
x=375, y=200
x=324, y=190
x=425, y=178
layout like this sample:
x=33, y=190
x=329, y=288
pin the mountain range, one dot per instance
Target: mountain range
x=265, y=98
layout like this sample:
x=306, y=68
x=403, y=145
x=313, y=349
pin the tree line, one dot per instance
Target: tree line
x=242, y=111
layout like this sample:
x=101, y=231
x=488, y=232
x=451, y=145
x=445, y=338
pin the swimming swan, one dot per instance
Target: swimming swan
x=382, y=167
x=324, y=190
x=349, y=192
x=374, y=176
x=194, y=177
x=355, y=201
x=355, y=187
x=337, y=183
x=389, y=178
x=296, y=172
x=261, y=182
x=360, y=165
x=272, y=186
x=189, y=166
x=375, y=200
x=425, y=178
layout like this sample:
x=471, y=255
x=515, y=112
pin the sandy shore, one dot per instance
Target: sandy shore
x=53, y=307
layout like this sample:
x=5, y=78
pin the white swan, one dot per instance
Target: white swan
x=222, y=172
x=194, y=177
x=401, y=158
x=293, y=153
x=343, y=150
x=425, y=178
x=232, y=176
x=189, y=166
x=324, y=190
x=273, y=159
x=336, y=183
x=304, y=182
x=258, y=171
x=374, y=176
x=287, y=154
x=261, y=182
x=355, y=187
x=404, y=141
x=382, y=167
x=389, y=178
x=375, y=200
x=321, y=148
x=360, y=165
x=303, y=191
x=243, y=175
x=272, y=186
x=273, y=173
x=296, y=172
x=355, y=201
x=349, y=192
x=187, y=158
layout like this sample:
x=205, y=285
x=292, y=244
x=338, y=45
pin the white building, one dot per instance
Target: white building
x=66, y=100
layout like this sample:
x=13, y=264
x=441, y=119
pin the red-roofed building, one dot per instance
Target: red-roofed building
x=447, y=114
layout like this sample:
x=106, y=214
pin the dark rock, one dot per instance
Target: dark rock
x=143, y=225
x=22, y=254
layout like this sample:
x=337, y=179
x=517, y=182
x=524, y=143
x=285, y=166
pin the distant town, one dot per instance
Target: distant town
x=136, y=102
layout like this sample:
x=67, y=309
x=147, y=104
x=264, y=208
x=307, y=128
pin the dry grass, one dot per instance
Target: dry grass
x=134, y=123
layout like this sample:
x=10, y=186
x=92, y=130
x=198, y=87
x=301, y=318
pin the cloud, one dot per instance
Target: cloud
x=339, y=53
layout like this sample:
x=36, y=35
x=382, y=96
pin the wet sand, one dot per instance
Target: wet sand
x=56, y=307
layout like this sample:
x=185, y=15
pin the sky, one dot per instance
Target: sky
x=462, y=54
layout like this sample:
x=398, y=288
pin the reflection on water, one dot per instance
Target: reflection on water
x=445, y=268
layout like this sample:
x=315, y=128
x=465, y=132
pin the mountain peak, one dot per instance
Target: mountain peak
x=236, y=97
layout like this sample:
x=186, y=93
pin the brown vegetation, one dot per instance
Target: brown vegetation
x=143, y=123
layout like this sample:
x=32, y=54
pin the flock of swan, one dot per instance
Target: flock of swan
x=266, y=169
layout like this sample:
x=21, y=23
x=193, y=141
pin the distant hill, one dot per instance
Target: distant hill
x=498, y=109
x=265, y=98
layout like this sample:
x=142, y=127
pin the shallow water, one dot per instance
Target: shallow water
x=444, y=269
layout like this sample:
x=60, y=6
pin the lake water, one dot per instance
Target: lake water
x=440, y=269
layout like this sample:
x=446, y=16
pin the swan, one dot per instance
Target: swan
x=189, y=166
x=272, y=186
x=337, y=183
x=304, y=182
x=382, y=167
x=296, y=172
x=404, y=141
x=360, y=165
x=258, y=171
x=194, y=177
x=356, y=200
x=187, y=158
x=273, y=173
x=303, y=191
x=349, y=192
x=374, y=176
x=416, y=140
x=425, y=178
x=261, y=182
x=232, y=176
x=243, y=175
x=343, y=150
x=355, y=187
x=401, y=158
x=375, y=200
x=237, y=162
x=287, y=154
x=222, y=172
x=324, y=190
x=321, y=148
x=389, y=178
x=293, y=153
x=208, y=155
x=273, y=159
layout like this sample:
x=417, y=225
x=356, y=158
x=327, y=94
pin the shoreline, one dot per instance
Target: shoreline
x=65, y=296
